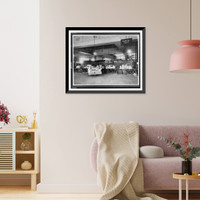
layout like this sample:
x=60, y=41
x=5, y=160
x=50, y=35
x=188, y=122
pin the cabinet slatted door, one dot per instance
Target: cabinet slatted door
x=7, y=151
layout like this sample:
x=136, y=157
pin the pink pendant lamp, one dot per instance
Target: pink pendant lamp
x=188, y=56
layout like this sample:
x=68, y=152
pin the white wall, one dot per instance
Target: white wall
x=19, y=60
x=67, y=119
x=19, y=57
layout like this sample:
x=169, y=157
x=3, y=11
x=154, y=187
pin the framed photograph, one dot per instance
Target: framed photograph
x=106, y=60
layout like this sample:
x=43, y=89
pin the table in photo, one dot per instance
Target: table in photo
x=181, y=177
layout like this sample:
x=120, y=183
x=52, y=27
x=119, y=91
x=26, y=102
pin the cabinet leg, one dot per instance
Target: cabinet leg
x=33, y=181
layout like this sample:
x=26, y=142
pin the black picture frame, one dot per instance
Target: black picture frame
x=105, y=60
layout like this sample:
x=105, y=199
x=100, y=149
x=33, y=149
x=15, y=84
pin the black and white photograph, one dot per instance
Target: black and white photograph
x=106, y=60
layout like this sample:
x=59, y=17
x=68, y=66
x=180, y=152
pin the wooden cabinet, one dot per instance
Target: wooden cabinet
x=12, y=156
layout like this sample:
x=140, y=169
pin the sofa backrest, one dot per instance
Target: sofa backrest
x=149, y=136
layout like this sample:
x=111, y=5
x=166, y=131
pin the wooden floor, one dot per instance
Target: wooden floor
x=23, y=193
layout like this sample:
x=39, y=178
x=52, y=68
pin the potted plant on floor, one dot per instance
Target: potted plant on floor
x=185, y=150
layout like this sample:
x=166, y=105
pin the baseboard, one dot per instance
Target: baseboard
x=68, y=188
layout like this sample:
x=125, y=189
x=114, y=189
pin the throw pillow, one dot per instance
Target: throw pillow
x=151, y=152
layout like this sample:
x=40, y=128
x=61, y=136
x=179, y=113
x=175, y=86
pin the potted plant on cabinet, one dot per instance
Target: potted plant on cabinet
x=26, y=144
x=4, y=114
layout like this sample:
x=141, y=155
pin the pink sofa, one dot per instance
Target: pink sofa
x=158, y=171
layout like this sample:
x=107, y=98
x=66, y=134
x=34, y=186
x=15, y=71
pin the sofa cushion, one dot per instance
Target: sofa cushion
x=158, y=173
x=151, y=152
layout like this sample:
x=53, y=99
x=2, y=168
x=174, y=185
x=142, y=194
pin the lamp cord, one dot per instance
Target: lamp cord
x=190, y=19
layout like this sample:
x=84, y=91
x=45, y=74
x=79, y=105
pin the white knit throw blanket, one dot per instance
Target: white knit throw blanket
x=119, y=167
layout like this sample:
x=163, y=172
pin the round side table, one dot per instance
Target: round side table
x=181, y=177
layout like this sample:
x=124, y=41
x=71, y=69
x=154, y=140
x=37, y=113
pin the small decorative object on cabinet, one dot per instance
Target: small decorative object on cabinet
x=26, y=165
x=22, y=120
x=34, y=123
x=26, y=144
x=15, y=157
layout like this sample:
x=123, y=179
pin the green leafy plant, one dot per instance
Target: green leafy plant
x=186, y=151
x=26, y=136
